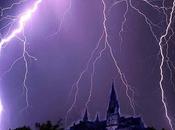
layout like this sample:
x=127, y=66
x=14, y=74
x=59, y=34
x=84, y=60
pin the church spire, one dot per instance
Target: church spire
x=97, y=118
x=85, y=118
x=113, y=107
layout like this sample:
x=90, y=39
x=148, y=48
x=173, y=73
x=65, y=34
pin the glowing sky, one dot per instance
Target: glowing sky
x=1, y=107
x=52, y=61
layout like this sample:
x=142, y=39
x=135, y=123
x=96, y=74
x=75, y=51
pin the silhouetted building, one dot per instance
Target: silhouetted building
x=114, y=121
x=89, y=125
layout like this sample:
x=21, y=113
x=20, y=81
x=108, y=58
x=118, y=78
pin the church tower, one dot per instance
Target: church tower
x=85, y=118
x=113, y=114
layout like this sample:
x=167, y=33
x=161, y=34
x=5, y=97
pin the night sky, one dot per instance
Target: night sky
x=63, y=52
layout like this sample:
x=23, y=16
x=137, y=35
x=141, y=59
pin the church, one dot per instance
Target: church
x=113, y=121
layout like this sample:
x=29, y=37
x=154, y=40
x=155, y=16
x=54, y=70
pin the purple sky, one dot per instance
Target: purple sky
x=62, y=57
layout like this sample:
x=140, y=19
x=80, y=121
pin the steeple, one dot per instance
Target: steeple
x=97, y=118
x=113, y=108
x=85, y=118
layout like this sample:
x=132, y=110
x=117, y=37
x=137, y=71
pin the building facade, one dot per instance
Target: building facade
x=114, y=120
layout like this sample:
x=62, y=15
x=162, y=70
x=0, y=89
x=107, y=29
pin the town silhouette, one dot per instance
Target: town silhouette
x=114, y=120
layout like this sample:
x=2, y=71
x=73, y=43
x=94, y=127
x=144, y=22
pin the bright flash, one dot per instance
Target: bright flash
x=1, y=107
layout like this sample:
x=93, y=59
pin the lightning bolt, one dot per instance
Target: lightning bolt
x=58, y=30
x=164, y=38
x=11, y=6
x=23, y=19
x=164, y=57
x=106, y=46
x=169, y=63
x=162, y=64
x=76, y=84
x=159, y=39
x=124, y=21
x=93, y=69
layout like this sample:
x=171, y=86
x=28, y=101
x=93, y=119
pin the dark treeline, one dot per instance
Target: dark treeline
x=56, y=126
x=44, y=126
x=152, y=128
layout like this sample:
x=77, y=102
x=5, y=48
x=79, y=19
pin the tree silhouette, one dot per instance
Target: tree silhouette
x=49, y=126
x=151, y=128
x=22, y=128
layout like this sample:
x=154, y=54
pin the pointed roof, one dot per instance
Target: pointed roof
x=113, y=103
x=97, y=118
x=85, y=118
x=113, y=94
